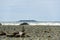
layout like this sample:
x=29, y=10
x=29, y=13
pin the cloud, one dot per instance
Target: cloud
x=33, y=9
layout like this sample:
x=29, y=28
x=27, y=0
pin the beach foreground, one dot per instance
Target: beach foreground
x=37, y=32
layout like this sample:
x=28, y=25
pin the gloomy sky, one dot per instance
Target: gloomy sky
x=42, y=10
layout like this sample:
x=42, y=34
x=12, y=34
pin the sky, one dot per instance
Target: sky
x=41, y=10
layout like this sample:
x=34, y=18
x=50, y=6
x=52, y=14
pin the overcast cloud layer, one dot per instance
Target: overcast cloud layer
x=43, y=10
